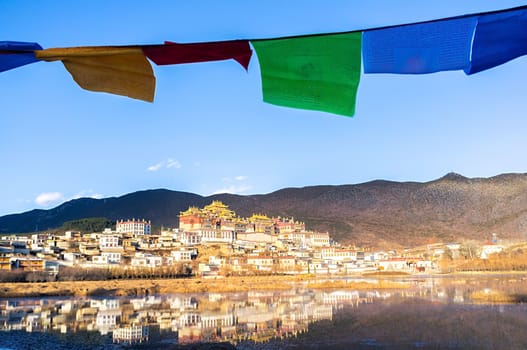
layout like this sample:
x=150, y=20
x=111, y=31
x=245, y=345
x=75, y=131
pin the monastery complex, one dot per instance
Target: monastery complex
x=211, y=241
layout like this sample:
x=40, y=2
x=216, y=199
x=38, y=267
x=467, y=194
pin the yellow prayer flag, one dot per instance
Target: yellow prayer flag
x=121, y=70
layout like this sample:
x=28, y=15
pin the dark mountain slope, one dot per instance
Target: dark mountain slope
x=450, y=208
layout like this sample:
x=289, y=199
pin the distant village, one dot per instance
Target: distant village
x=213, y=241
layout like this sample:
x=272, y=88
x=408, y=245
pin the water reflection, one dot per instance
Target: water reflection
x=251, y=318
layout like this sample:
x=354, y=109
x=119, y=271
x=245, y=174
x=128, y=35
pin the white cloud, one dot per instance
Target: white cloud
x=234, y=185
x=236, y=178
x=234, y=189
x=155, y=167
x=49, y=198
x=169, y=164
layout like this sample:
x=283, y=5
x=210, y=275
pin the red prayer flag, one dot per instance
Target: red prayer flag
x=175, y=53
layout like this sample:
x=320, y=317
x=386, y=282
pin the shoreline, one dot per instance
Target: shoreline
x=144, y=287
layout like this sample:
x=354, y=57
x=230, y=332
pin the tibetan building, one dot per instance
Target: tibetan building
x=191, y=219
x=133, y=227
x=217, y=223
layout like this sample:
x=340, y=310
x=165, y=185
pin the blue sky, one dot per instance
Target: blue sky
x=208, y=130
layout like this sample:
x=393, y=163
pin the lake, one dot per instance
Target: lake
x=430, y=313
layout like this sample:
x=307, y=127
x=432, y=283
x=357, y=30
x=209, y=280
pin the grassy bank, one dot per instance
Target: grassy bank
x=141, y=287
x=124, y=287
x=180, y=285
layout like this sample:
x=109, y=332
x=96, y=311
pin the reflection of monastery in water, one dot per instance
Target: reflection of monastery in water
x=234, y=317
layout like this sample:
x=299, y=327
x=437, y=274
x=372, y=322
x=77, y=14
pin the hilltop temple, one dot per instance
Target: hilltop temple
x=217, y=223
x=218, y=216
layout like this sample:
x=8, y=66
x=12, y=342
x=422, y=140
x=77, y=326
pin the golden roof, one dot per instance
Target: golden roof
x=190, y=211
x=259, y=217
x=219, y=209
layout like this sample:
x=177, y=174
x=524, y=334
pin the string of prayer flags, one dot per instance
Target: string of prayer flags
x=499, y=38
x=175, y=53
x=14, y=54
x=419, y=48
x=121, y=70
x=313, y=72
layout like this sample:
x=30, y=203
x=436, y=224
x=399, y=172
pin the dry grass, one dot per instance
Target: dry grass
x=491, y=296
x=386, y=273
x=342, y=284
x=146, y=287
x=181, y=285
x=508, y=261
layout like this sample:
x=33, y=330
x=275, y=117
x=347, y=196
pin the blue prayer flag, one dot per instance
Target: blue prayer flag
x=419, y=48
x=14, y=54
x=499, y=38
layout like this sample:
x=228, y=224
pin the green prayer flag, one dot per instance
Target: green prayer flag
x=313, y=72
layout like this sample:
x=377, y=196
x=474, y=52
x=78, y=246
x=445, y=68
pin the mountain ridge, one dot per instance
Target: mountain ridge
x=452, y=207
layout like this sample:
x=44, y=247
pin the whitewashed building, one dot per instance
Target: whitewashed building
x=490, y=248
x=217, y=236
x=112, y=257
x=261, y=262
x=134, y=227
x=183, y=254
x=189, y=238
x=337, y=254
x=146, y=260
x=109, y=241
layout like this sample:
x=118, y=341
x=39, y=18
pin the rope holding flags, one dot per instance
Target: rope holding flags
x=314, y=72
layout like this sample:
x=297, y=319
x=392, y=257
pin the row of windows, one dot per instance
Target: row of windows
x=112, y=255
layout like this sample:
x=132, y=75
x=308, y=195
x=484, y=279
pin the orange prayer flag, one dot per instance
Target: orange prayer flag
x=120, y=70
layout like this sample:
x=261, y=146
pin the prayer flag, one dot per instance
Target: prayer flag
x=121, y=70
x=175, y=53
x=499, y=38
x=419, y=48
x=313, y=72
x=14, y=54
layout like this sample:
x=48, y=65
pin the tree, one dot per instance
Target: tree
x=470, y=250
x=87, y=225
